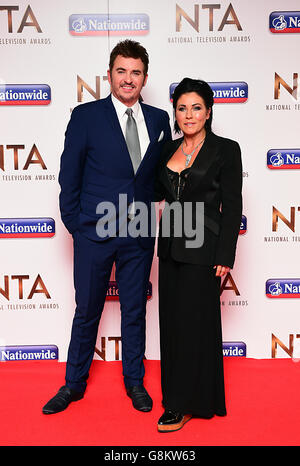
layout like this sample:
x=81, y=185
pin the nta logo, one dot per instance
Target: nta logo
x=34, y=157
x=28, y=19
x=37, y=287
x=279, y=81
x=293, y=350
x=229, y=17
x=290, y=223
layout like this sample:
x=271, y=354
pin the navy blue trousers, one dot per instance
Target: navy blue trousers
x=93, y=262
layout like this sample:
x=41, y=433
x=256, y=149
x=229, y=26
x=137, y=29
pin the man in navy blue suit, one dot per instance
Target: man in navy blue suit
x=110, y=153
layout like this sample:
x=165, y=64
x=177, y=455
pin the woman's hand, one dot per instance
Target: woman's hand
x=221, y=270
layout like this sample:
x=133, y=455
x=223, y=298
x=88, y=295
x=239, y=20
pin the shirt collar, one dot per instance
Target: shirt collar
x=121, y=108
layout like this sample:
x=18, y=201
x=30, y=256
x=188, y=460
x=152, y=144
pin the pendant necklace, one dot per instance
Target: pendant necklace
x=189, y=156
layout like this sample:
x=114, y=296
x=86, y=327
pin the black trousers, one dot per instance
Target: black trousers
x=191, y=339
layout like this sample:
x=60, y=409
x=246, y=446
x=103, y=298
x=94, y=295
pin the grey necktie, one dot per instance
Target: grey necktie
x=132, y=140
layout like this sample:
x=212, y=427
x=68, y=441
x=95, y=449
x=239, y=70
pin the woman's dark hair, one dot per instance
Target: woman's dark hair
x=129, y=49
x=202, y=89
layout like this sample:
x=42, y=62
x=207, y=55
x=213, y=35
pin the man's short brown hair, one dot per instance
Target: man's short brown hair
x=129, y=49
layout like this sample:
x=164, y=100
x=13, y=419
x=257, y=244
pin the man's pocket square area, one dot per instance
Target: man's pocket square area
x=160, y=136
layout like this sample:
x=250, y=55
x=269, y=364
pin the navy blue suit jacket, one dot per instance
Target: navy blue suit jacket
x=96, y=165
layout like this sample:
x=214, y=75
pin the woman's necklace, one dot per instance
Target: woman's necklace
x=189, y=156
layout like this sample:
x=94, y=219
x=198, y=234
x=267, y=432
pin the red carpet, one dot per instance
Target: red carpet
x=262, y=402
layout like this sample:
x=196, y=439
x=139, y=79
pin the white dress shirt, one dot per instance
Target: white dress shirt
x=137, y=113
x=139, y=118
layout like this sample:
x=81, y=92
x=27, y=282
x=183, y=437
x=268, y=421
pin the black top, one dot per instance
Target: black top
x=178, y=180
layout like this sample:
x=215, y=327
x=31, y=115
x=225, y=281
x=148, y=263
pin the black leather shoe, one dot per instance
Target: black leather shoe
x=140, y=398
x=171, y=421
x=61, y=400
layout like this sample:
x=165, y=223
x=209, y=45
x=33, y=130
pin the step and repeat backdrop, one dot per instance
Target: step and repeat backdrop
x=54, y=56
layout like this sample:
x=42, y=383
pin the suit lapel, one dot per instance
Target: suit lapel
x=205, y=156
x=151, y=132
x=117, y=130
x=113, y=119
x=149, y=122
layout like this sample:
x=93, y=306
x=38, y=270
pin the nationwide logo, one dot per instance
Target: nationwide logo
x=103, y=24
x=236, y=348
x=284, y=22
x=280, y=159
x=25, y=94
x=113, y=291
x=243, y=226
x=283, y=288
x=27, y=227
x=26, y=353
x=224, y=92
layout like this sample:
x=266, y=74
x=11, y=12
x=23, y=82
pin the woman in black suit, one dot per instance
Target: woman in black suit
x=199, y=167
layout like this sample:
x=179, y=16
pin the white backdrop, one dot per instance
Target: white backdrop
x=224, y=43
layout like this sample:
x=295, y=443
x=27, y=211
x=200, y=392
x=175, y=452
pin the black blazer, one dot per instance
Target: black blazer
x=215, y=178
